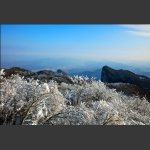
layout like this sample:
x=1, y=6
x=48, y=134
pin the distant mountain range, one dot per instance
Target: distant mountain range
x=89, y=74
x=45, y=63
x=74, y=66
x=138, y=71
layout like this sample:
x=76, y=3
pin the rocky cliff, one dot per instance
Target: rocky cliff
x=110, y=75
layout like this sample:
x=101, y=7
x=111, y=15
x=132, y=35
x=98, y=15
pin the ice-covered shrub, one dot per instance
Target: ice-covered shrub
x=31, y=101
x=108, y=104
x=79, y=115
x=1, y=73
x=86, y=102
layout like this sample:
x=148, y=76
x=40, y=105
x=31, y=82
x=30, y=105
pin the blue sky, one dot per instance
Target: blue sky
x=90, y=42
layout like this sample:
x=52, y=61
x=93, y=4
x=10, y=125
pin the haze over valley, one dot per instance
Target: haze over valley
x=77, y=66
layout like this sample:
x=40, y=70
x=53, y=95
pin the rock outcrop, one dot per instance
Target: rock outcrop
x=42, y=76
x=109, y=75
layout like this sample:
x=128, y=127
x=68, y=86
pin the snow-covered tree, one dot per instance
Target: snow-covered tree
x=28, y=102
x=85, y=102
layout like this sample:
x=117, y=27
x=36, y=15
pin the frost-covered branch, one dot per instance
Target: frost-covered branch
x=30, y=102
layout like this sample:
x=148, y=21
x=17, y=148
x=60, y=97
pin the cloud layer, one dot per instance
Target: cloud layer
x=140, y=30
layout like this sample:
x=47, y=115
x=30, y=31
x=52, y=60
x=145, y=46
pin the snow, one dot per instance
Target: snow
x=96, y=105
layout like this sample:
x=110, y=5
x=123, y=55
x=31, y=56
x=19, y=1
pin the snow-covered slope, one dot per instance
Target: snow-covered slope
x=85, y=102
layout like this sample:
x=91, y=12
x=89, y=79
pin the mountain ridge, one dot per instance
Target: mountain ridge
x=109, y=75
x=61, y=76
x=74, y=66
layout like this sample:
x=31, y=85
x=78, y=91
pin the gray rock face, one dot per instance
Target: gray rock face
x=110, y=75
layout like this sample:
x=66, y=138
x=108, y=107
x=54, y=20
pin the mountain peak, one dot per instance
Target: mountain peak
x=110, y=75
x=60, y=71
